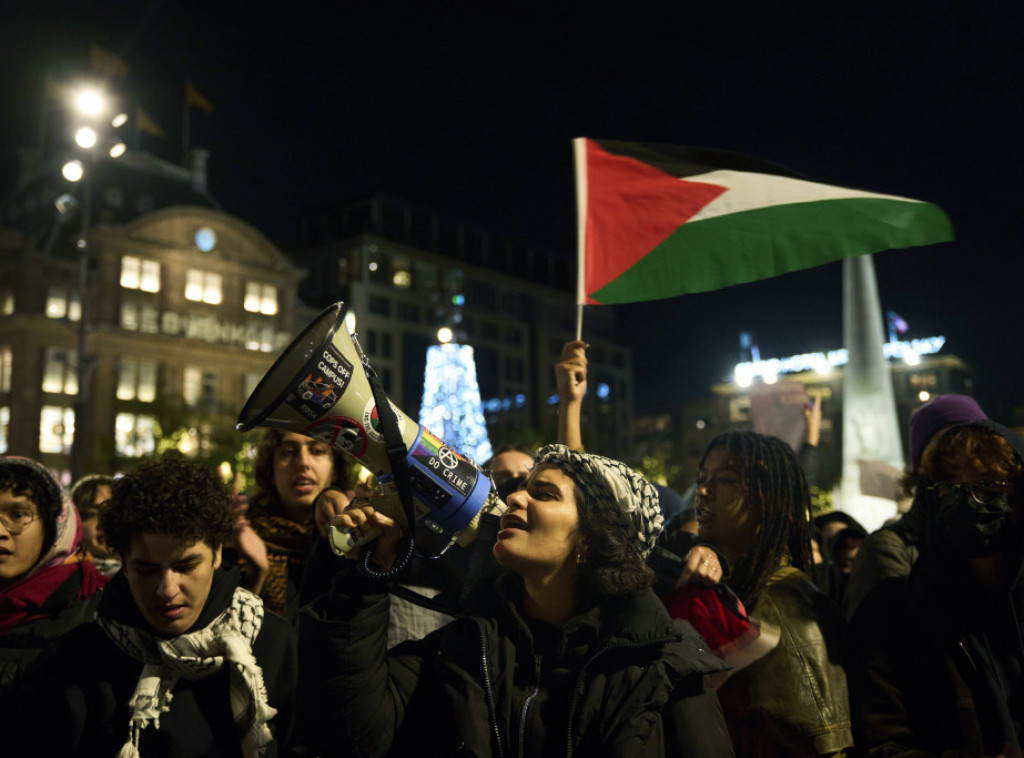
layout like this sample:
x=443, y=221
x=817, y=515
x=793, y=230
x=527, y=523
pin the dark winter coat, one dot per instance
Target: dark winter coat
x=21, y=646
x=936, y=658
x=78, y=703
x=622, y=679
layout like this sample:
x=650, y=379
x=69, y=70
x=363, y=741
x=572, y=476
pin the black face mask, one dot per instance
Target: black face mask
x=973, y=521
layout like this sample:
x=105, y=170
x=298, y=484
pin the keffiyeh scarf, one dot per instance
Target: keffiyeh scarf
x=225, y=641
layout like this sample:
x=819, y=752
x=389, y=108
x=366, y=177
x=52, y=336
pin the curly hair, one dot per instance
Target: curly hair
x=83, y=493
x=975, y=448
x=170, y=495
x=266, y=495
x=774, y=484
x=613, y=569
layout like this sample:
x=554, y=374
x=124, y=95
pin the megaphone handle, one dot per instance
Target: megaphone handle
x=388, y=503
x=344, y=540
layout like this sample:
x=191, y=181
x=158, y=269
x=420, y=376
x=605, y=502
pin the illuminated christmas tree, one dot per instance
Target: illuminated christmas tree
x=451, y=406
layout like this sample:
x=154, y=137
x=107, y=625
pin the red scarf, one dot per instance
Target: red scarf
x=27, y=600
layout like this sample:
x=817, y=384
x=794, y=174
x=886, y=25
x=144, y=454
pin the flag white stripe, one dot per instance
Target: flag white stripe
x=748, y=191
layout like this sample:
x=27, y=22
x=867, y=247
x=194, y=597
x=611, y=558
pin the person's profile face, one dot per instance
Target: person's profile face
x=92, y=535
x=21, y=535
x=170, y=579
x=724, y=515
x=539, y=534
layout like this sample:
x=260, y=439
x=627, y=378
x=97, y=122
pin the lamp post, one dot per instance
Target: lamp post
x=90, y=105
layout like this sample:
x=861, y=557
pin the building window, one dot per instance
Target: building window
x=59, y=371
x=249, y=384
x=5, y=426
x=56, y=429
x=203, y=286
x=199, y=386
x=144, y=318
x=138, y=274
x=61, y=304
x=6, y=302
x=379, y=306
x=134, y=435
x=136, y=380
x=408, y=312
x=261, y=298
x=192, y=387
x=6, y=359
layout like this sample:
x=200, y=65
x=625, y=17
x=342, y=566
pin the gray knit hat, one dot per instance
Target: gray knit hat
x=613, y=486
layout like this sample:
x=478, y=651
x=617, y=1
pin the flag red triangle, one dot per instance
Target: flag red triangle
x=632, y=207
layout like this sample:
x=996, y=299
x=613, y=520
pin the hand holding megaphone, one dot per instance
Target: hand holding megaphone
x=372, y=515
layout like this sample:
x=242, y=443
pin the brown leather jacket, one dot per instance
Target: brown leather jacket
x=792, y=702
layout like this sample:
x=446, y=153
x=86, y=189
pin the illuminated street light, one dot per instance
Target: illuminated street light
x=89, y=102
x=119, y=120
x=444, y=335
x=73, y=171
x=116, y=151
x=85, y=137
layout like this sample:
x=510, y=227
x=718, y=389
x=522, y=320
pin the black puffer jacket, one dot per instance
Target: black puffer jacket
x=617, y=680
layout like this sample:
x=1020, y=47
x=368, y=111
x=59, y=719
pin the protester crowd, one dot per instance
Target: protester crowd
x=159, y=613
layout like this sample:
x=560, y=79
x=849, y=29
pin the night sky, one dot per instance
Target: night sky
x=470, y=111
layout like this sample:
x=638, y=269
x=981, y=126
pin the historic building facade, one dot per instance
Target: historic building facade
x=185, y=309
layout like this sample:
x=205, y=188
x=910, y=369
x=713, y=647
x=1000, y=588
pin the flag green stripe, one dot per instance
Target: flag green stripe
x=758, y=244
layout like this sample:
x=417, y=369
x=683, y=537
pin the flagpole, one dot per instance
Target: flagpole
x=580, y=153
x=184, y=124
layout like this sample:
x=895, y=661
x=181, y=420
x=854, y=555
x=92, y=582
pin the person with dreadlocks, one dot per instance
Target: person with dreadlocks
x=754, y=530
x=568, y=653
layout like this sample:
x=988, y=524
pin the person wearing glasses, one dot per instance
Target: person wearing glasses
x=180, y=660
x=937, y=658
x=48, y=585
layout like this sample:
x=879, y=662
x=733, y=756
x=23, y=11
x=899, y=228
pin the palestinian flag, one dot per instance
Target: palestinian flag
x=658, y=221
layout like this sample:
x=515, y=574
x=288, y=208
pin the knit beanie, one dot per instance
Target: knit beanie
x=939, y=412
x=612, y=486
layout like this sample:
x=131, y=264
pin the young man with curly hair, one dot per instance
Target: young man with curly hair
x=180, y=660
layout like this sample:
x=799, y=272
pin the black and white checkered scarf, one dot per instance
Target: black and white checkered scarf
x=614, y=486
x=227, y=640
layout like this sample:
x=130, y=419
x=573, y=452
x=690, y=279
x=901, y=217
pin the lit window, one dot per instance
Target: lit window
x=150, y=281
x=6, y=359
x=261, y=298
x=56, y=302
x=56, y=429
x=134, y=435
x=7, y=303
x=137, y=274
x=5, y=425
x=149, y=319
x=402, y=279
x=59, y=371
x=136, y=380
x=192, y=387
x=59, y=304
x=129, y=316
x=249, y=383
x=203, y=287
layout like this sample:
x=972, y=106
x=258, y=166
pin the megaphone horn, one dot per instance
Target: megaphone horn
x=318, y=387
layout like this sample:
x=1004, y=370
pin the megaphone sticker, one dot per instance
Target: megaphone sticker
x=323, y=385
x=342, y=432
x=443, y=462
x=371, y=421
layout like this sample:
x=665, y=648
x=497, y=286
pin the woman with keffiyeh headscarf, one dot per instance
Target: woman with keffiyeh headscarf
x=569, y=653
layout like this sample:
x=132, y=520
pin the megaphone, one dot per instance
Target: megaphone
x=319, y=388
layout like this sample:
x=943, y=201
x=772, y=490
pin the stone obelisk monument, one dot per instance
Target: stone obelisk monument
x=871, y=434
